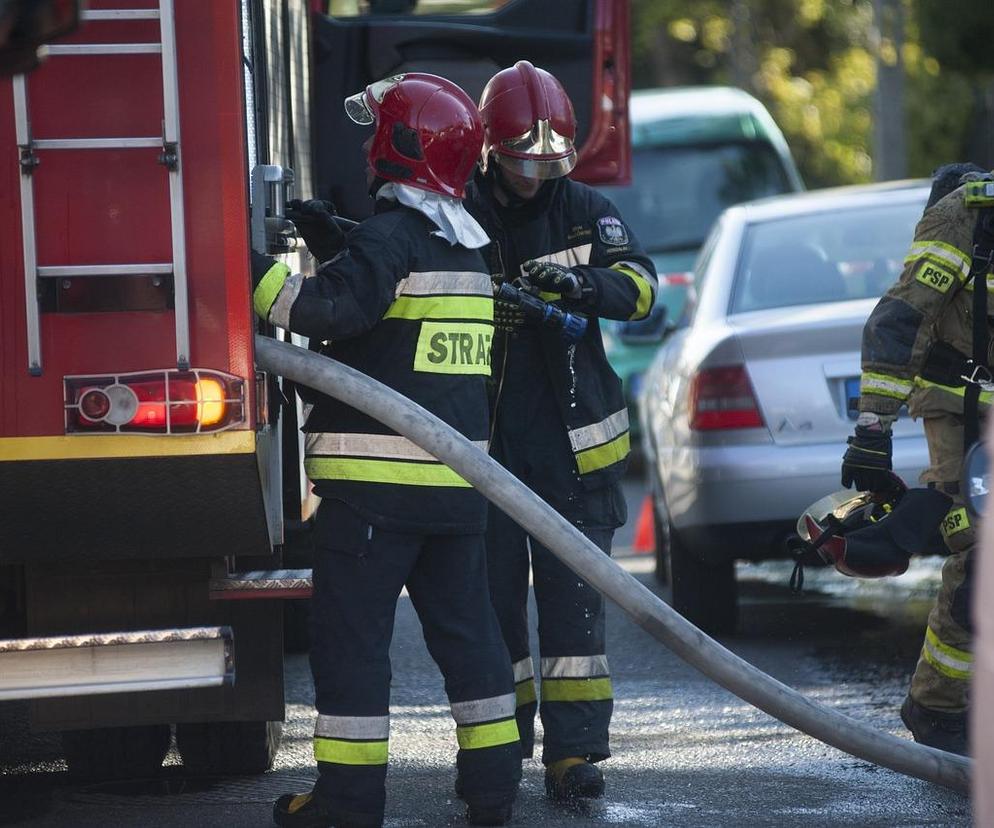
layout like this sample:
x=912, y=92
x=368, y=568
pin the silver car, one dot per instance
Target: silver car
x=745, y=411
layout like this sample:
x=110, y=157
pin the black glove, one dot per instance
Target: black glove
x=315, y=222
x=260, y=267
x=553, y=278
x=866, y=464
x=507, y=316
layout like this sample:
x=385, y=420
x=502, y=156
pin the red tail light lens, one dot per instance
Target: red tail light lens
x=154, y=402
x=722, y=398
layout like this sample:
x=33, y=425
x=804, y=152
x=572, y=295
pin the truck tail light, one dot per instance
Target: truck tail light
x=722, y=398
x=154, y=402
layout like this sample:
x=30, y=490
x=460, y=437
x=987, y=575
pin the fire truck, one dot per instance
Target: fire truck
x=151, y=486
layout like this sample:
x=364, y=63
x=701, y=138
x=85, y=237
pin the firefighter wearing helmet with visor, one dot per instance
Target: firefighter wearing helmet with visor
x=408, y=284
x=560, y=419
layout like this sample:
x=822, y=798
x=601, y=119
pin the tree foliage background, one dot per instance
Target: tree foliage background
x=814, y=64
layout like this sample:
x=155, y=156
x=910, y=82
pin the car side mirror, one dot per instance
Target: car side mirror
x=976, y=478
x=649, y=331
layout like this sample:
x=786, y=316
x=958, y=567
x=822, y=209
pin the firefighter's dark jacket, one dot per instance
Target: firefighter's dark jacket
x=928, y=307
x=572, y=224
x=405, y=307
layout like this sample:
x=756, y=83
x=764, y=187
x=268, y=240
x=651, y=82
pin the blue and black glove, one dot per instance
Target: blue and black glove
x=315, y=222
x=866, y=465
x=553, y=278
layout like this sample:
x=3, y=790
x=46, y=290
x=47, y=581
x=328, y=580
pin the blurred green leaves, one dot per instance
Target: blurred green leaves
x=813, y=63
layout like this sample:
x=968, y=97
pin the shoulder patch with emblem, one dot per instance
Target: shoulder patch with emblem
x=933, y=275
x=612, y=231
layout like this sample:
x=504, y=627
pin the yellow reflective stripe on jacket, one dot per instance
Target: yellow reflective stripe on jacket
x=579, y=689
x=269, y=288
x=885, y=385
x=990, y=283
x=947, y=660
x=943, y=254
x=596, y=434
x=342, y=752
x=955, y=521
x=442, y=307
x=474, y=737
x=958, y=391
x=645, y=288
x=603, y=456
x=382, y=471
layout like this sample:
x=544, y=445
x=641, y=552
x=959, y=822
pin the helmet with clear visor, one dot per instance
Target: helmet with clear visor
x=528, y=122
x=428, y=131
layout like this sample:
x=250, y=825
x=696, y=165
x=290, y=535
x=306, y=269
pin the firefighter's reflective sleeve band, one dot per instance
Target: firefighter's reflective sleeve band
x=601, y=444
x=462, y=295
x=950, y=259
x=377, y=458
x=279, y=313
x=524, y=681
x=268, y=289
x=644, y=281
x=958, y=391
x=990, y=283
x=884, y=385
x=949, y=661
x=576, y=678
x=483, y=723
x=955, y=521
x=352, y=740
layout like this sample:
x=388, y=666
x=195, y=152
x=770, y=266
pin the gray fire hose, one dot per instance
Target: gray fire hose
x=590, y=563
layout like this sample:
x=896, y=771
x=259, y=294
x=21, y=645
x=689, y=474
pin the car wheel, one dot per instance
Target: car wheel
x=109, y=753
x=705, y=594
x=228, y=748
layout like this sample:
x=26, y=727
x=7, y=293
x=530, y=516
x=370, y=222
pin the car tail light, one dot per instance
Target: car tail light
x=722, y=398
x=154, y=402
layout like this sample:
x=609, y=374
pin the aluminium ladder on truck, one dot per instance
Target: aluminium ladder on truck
x=168, y=142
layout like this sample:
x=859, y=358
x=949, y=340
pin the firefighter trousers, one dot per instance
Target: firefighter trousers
x=359, y=572
x=942, y=677
x=576, y=694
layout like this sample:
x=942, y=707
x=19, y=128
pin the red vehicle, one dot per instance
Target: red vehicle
x=144, y=461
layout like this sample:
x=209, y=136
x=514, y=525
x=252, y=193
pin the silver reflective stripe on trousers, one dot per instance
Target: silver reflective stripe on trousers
x=484, y=710
x=441, y=282
x=575, y=667
x=352, y=727
x=599, y=433
x=523, y=669
x=383, y=446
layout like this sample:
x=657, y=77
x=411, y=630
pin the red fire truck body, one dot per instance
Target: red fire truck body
x=143, y=460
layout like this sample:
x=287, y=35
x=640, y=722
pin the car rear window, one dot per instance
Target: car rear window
x=851, y=253
x=677, y=192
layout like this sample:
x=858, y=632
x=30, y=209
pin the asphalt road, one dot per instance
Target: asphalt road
x=686, y=753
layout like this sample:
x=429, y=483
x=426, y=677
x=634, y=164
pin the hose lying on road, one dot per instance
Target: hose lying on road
x=584, y=558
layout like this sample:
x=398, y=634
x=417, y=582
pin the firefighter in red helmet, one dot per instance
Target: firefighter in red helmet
x=391, y=515
x=560, y=420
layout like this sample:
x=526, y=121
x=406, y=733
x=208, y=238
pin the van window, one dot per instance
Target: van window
x=677, y=192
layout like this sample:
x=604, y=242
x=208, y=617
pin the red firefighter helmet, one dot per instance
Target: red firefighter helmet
x=428, y=131
x=528, y=122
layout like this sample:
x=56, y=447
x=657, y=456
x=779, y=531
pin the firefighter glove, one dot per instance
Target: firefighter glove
x=867, y=463
x=261, y=263
x=508, y=316
x=553, y=278
x=316, y=225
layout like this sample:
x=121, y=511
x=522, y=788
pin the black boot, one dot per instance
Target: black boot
x=575, y=778
x=488, y=814
x=309, y=810
x=936, y=728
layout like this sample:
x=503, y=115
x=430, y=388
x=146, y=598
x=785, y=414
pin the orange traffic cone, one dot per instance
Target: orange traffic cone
x=645, y=534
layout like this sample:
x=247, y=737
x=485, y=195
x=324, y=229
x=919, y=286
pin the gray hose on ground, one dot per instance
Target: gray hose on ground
x=584, y=558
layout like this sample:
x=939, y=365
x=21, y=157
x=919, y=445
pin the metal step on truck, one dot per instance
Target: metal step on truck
x=151, y=487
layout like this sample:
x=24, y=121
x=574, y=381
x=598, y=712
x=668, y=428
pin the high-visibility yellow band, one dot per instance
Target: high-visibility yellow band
x=110, y=446
x=350, y=753
x=569, y=690
x=949, y=661
x=524, y=692
x=884, y=385
x=474, y=737
x=602, y=456
x=454, y=348
x=955, y=521
x=475, y=308
x=644, y=302
x=382, y=471
x=960, y=391
x=269, y=288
